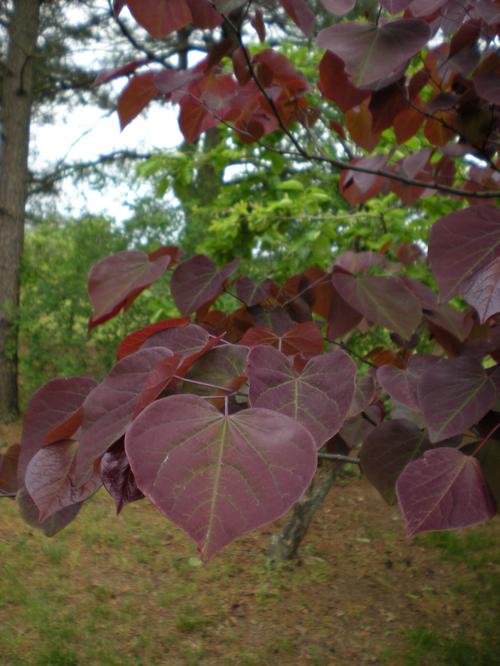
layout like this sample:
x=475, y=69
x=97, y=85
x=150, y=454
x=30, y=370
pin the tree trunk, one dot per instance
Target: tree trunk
x=15, y=116
x=284, y=544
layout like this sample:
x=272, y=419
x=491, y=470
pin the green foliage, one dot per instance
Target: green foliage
x=54, y=309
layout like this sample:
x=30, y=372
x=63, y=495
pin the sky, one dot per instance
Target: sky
x=84, y=133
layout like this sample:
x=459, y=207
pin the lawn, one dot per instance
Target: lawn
x=131, y=591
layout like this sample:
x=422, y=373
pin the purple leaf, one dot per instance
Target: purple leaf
x=319, y=398
x=443, y=490
x=385, y=301
x=250, y=292
x=454, y=321
x=339, y=7
x=454, y=394
x=135, y=340
x=54, y=524
x=220, y=367
x=482, y=290
x=118, y=478
x=363, y=395
x=50, y=479
x=303, y=338
x=462, y=245
x=359, y=262
x=110, y=408
x=116, y=281
x=53, y=406
x=300, y=12
x=396, y=6
x=342, y=317
x=184, y=341
x=218, y=477
x=402, y=385
x=372, y=53
x=387, y=450
x=197, y=281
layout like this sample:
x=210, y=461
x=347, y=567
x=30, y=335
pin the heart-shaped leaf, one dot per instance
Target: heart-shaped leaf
x=385, y=301
x=109, y=409
x=116, y=281
x=51, y=483
x=443, y=490
x=134, y=341
x=303, y=338
x=197, y=281
x=463, y=247
x=319, y=398
x=454, y=394
x=53, y=413
x=29, y=513
x=372, y=53
x=218, y=477
x=402, y=384
x=387, y=450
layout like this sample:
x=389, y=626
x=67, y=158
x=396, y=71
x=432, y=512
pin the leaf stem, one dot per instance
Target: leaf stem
x=484, y=440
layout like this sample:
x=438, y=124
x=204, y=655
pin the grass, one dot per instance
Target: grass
x=476, y=552
x=131, y=591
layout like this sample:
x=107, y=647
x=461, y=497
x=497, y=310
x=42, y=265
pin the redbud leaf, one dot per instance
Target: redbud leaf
x=218, y=476
x=443, y=490
x=319, y=398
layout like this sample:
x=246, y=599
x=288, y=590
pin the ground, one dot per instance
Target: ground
x=131, y=591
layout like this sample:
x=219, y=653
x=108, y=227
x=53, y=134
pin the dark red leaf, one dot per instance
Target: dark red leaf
x=486, y=78
x=111, y=74
x=250, y=292
x=359, y=262
x=359, y=123
x=116, y=281
x=319, y=398
x=387, y=450
x=259, y=25
x=161, y=17
x=136, y=95
x=118, y=478
x=342, y=318
x=49, y=411
x=463, y=247
x=110, y=408
x=364, y=393
x=51, y=481
x=218, y=477
x=443, y=490
x=372, y=53
x=482, y=290
x=454, y=394
x=197, y=281
x=335, y=85
x=385, y=301
x=54, y=524
x=303, y=338
x=134, y=341
x=402, y=384
x=301, y=13
x=339, y=7
x=454, y=321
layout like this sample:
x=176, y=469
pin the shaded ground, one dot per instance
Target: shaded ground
x=131, y=591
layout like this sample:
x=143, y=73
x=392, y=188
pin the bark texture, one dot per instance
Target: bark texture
x=284, y=544
x=15, y=116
